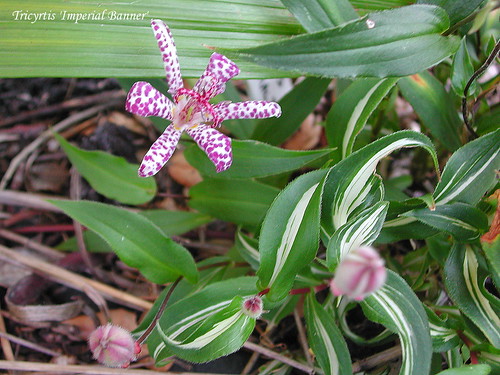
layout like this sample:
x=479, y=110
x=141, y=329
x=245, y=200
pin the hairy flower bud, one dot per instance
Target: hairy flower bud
x=253, y=307
x=359, y=274
x=113, y=346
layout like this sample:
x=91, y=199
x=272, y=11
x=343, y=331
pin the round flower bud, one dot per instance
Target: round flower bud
x=253, y=307
x=359, y=274
x=113, y=346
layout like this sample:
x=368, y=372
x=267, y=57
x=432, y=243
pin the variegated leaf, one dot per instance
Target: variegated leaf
x=464, y=278
x=360, y=231
x=290, y=234
x=346, y=186
x=470, y=171
x=326, y=340
x=444, y=334
x=397, y=307
x=248, y=248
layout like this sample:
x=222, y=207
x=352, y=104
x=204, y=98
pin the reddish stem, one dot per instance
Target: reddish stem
x=45, y=228
x=473, y=354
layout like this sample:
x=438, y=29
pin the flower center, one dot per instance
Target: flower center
x=192, y=109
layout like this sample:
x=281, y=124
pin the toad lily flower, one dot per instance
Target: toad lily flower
x=190, y=110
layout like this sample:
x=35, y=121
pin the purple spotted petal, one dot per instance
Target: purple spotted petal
x=160, y=152
x=219, y=70
x=169, y=55
x=144, y=100
x=247, y=110
x=215, y=144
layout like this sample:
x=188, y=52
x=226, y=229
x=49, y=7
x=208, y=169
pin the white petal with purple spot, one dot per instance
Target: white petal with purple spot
x=144, y=100
x=216, y=145
x=219, y=70
x=247, y=110
x=169, y=55
x=160, y=152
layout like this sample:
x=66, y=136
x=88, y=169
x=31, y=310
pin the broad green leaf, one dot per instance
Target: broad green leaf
x=349, y=183
x=397, y=307
x=248, y=248
x=326, y=340
x=488, y=121
x=111, y=176
x=316, y=15
x=206, y=313
x=462, y=70
x=434, y=106
x=135, y=239
x=403, y=228
x=351, y=110
x=378, y=4
x=289, y=236
x=468, y=370
x=444, y=335
x=93, y=243
x=106, y=47
x=457, y=9
x=360, y=231
x=464, y=278
x=462, y=221
x=253, y=159
x=276, y=130
x=242, y=202
x=390, y=43
x=470, y=172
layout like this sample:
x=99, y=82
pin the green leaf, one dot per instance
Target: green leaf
x=457, y=9
x=351, y=110
x=206, y=325
x=326, y=340
x=135, y=239
x=276, y=130
x=464, y=278
x=395, y=42
x=397, y=307
x=434, y=107
x=488, y=121
x=360, y=231
x=444, y=335
x=316, y=15
x=462, y=70
x=253, y=159
x=111, y=176
x=248, y=248
x=462, y=221
x=243, y=202
x=470, y=172
x=174, y=223
x=127, y=48
x=468, y=370
x=290, y=234
x=350, y=181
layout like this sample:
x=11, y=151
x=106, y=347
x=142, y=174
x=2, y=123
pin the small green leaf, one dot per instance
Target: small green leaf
x=242, y=202
x=396, y=42
x=136, y=240
x=326, y=340
x=444, y=335
x=290, y=234
x=351, y=110
x=462, y=70
x=462, y=221
x=434, y=107
x=467, y=370
x=397, y=307
x=276, y=130
x=111, y=176
x=470, y=172
x=253, y=159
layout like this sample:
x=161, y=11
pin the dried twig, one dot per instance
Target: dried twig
x=25, y=241
x=29, y=344
x=31, y=200
x=5, y=344
x=377, y=359
x=302, y=337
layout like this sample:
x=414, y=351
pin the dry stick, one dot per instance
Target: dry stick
x=269, y=353
x=6, y=347
x=71, y=120
x=477, y=73
x=74, y=280
x=302, y=337
x=251, y=362
x=82, y=369
x=29, y=344
x=25, y=241
x=377, y=359
x=31, y=200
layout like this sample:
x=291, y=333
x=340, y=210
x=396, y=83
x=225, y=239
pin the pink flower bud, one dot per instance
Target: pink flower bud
x=359, y=274
x=113, y=346
x=253, y=307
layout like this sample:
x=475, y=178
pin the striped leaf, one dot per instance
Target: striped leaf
x=290, y=234
x=326, y=340
x=352, y=109
x=206, y=325
x=470, y=172
x=464, y=222
x=464, y=280
x=248, y=248
x=360, y=231
x=397, y=307
x=349, y=183
x=443, y=331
